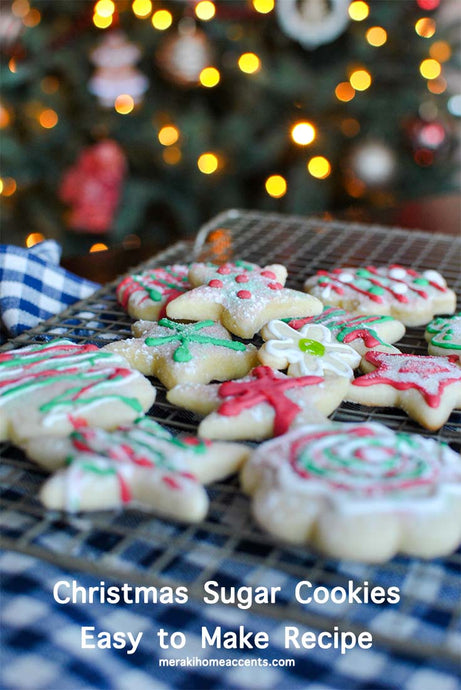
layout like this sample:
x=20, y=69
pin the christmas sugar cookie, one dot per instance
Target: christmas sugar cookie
x=310, y=350
x=358, y=491
x=242, y=296
x=363, y=332
x=56, y=387
x=444, y=335
x=140, y=464
x=145, y=295
x=427, y=388
x=263, y=404
x=411, y=297
x=185, y=352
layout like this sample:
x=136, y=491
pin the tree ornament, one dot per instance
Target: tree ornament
x=373, y=163
x=92, y=187
x=313, y=22
x=115, y=73
x=427, y=134
x=182, y=56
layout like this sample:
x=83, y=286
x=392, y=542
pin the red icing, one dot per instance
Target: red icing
x=275, y=286
x=215, y=283
x=224, y=270
x=172, y=483
x=242, y=278
x=266, y=386
x=125, y=493
x=363, y=334
x=244, y=294
x=269, y=274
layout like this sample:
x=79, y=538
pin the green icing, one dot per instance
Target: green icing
x=313, y=347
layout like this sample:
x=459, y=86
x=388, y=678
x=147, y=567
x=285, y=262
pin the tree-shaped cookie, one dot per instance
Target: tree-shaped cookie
x=145, y=295
x=427, y=388
x=242, y=296
x=444, y=335
x=185, y=352
x=263, y=404
x=53, y=388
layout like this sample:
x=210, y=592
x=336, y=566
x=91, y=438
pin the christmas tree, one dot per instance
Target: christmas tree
x=123, y=122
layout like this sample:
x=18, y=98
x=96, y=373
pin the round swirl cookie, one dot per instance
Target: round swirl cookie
x=145, y=295
x=59, y=386
x=357, y=491
x=411, y=297
x=444, y=335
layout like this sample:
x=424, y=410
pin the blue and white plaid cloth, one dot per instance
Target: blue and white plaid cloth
x=33, y=286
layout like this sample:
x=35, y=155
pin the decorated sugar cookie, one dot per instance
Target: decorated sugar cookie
x=56, y=387
x=364, y=332
x=263, y=404
x=242, y=296
x=311, y=350
x=428, y=388
x=140, y=464
x=444, y=335
x=358, y=491
x=409, y=296
x=185, y=352
x=145, y=295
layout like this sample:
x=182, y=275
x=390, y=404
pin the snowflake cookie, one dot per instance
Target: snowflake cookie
x=242, y=296
x=263, y=404
x=311, y=350
x=444, y=335
x=427, y=388
x=413, y=298
x=145, y=295
x=56, y=387
x=363, y=332
x=185, y=352
x=358, y=491
x=141, y=464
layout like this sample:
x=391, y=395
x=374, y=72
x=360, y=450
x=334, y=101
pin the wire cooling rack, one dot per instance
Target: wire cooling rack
x=135, y=546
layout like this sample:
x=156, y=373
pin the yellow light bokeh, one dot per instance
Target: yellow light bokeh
x=205, y=10
x=276, y=186
x=34, y=238
x=209, y=77
x=425, y=27
x=376, y=36
x=440, y=50
x=358, y=10
x=303, y=133
x=9, y=186
x=162, y=20
x=124, y=104
x=104, y=8
x=172, y=155
x=360, y=80
x=98, y=247
x=319, y=167
x=5, y=118
x=430, y=68
x=142, y=8
x=168, y=135
x=20, y=8
x=208, y=163
x=437, y=86
x=32, y=18
x=48, y=118
x=344, y=92
x=12, y=65
x=101, y=22
x=264, y=6
x=1, y=186
x=249, y=63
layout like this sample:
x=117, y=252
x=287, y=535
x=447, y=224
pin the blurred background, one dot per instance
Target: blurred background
x=128, y=124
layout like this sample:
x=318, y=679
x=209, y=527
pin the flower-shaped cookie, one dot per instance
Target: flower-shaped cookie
x=311, y=350
x=185, y=352
x=242, y=296
x=444, y=335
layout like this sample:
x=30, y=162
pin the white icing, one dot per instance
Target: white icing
x=398, y=273
x=434, y=277
x=400, y=289
x=346, y=277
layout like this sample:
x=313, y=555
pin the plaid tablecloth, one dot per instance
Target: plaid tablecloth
x=41, y=647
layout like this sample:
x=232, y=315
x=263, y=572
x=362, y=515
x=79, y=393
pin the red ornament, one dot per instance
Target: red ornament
x=92, y=187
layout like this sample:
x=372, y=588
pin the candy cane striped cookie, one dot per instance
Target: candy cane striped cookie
x=145, y=295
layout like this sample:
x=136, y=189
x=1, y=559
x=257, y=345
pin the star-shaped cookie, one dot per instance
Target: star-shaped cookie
x=427, y=388
x=363, y=332
x=138, y=464
x=145, y=295
x=263, y=404
x=444, y=335
x=242, y=296
x=55, y=387
x=185, y=352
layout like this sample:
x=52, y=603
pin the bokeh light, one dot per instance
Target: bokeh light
x=124, y=104
x=5, y=117
x=358, y=10
x=437, y=86
x=425, y=27
x=376, y=36
x=208, y=163
x=249, y=63
x=142, y=8
x=9, y=186
x=350, y=127
x=319, y=167
x=430, y=68
x=209, y=77
x=344, y=92
x=162, y=20
x=104, y=8
x=102, y=22
x=303, y=133
x=205, y=10
x=48, y=118
x=440, y=50
x=264, y=6
x=98, y=247
x=34, y=238
x=276, y=186
x=172, y=155
x=360, y=79
x=168, y=135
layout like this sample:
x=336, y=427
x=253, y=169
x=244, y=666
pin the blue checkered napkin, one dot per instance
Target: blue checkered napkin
x=34, y=287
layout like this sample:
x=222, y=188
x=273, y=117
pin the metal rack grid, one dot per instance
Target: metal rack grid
x=135, y=546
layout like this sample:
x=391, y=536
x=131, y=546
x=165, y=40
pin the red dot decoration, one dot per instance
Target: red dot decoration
x=224, y=270
x=275, y=286
x=269, y=274
x=244, y=294
x=215, y=283
x=242, y=278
